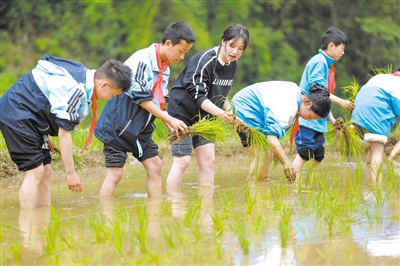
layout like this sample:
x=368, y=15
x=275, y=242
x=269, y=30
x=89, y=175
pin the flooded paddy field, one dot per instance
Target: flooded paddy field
x=332, y=215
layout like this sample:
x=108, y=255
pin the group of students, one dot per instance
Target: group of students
x=55, y=96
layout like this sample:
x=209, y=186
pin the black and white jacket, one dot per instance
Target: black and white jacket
x=205, y=76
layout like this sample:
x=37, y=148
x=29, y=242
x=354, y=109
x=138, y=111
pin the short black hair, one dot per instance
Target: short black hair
x=117, y=72
x=334, y=35
x=321, y=103
x=178, y=31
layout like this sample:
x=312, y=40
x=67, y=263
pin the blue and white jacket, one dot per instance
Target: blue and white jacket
x=56, y=94
x=377, y=104
x=123, y=124
x=316, y=71
x=269, y=107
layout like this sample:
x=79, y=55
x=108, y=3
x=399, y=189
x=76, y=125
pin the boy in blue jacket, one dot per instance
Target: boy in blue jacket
x=126, y=123
x=320, y=69
x=377, y=107
x=48, y=101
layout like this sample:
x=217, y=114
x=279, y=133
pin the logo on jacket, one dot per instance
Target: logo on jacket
x=223, y=82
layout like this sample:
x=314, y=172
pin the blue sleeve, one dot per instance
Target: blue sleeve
x=396, y=106
x=70, y=108
x=317, y=73
x=272, y=127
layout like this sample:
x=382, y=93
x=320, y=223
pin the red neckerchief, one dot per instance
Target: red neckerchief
x=331, y=76
x=157, y=87
x=93, y=124
x=331, y=79
x=295, y=128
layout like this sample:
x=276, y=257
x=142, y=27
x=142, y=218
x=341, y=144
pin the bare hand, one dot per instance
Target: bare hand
x=50, y=142
x=176, y=125
x=228, y=117
x=289, y=171
x=349, y=105
x=74, y=182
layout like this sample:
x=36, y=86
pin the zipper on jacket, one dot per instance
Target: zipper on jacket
x=123, y=130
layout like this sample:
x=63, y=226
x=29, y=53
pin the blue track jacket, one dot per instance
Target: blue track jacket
x=123, y=124
x=56, y=94
x=316, y=71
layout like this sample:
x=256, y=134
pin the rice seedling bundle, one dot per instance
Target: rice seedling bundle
x=348, y=139
x=258, y=144
x=352, y=90
x=254, y=137
x=212, y=129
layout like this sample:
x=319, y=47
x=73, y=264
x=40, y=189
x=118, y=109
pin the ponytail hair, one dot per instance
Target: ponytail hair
x=235, y=32
x=321, y=103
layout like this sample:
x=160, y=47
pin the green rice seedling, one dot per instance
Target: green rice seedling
x=16, y=253
x=121, y=213
x=69, y=240
x=258, y=224
x=219, y=247
x=329, y=216
x=179, y=233
x=352, y=90
x=166, y=208
x=101, y=230
x=141, y=232
x=285, y=224
x=227, y=203
x=310, y=173
x=149, y=258
x=250, y=199
x=282, y=189
x=218, y=223
x=349, y=140
x=239, y=229
x=265, y=196
x=378, y=193
x=199, y=201
x=384, y=70
x=209, y=128
x=51, y=233
x=168, y=237
x=259, y=145
x=118, y=235
x=319, y=205
x=197, y=233
x=190, y=214
x=192, y=210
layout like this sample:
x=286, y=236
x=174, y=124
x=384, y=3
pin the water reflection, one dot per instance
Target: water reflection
x=107, y=208
x=31, y=222
x=181, y=204
x=380, y=237
x=367, y=232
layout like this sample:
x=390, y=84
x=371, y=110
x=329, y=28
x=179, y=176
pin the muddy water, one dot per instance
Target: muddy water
x=357, y=227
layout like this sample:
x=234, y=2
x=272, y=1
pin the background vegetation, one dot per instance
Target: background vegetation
x=284, y=34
